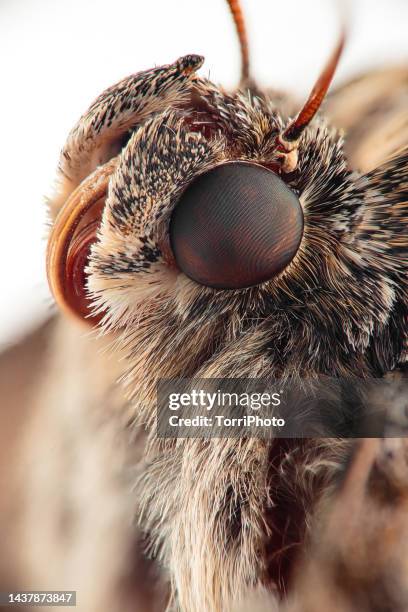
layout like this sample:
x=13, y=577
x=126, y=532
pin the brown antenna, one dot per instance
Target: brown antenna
x=238, y=16
x=294, y=130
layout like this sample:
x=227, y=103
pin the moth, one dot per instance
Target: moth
x=202, y=233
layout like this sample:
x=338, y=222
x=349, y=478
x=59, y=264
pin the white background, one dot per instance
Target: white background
x=56, y=56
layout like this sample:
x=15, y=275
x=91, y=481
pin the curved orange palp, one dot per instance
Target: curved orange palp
x=73, y=232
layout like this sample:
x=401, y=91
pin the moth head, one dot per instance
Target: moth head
x=218, y=236
x=233, y=201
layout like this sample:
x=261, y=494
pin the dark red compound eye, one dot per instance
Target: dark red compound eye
x=236, y=226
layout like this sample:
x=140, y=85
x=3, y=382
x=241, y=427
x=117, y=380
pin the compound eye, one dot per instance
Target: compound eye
x=236, y=226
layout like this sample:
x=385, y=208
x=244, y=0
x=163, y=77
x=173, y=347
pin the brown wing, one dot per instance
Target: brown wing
x=373, y=111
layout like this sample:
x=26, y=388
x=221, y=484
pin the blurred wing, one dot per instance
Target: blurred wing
x=373, y=111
